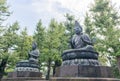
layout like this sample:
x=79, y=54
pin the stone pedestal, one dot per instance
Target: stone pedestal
x=82, y=65
x=24, y=74
x=25, y=71
x=84, y=71
x=25, y=65
x=82, y=79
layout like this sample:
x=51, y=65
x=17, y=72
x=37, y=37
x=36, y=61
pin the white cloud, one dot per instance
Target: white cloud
x=28, y=12
x=41, y=6
x=57, y=8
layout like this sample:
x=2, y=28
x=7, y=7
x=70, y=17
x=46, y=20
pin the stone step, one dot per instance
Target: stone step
x=37, y=80
x=24, y=79
x=82, y=79
x=21, y=80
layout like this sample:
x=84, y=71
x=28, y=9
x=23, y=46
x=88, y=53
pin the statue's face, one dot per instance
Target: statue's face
x=77, y=30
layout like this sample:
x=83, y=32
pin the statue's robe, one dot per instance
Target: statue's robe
x=80, y=41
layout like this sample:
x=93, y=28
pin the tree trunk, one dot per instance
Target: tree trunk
x=54, y=67
x=2, y=67
x=49, y=68
x=57, y=64
x=118, y=62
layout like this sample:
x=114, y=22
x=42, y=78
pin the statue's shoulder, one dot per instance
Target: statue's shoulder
x=85, y=35
x=36, y=51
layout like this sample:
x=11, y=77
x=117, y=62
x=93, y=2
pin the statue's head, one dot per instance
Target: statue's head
x=77, y=29
x=34, y=45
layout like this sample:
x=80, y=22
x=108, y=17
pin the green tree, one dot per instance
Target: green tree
x=8, y=40
x=39, y=37
x=4, y=13
x=69, y=24
x=54, y=44
x=19, y=50
x=103, y=21
x=24, y=44
x=89, y=28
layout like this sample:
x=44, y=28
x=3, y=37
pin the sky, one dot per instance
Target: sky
x=29, y=12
